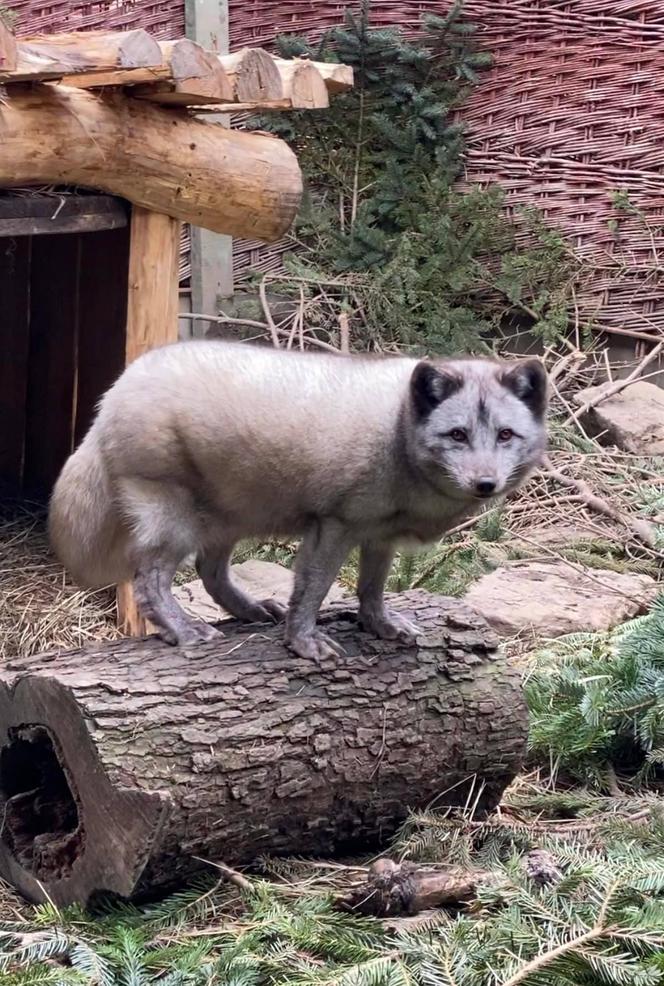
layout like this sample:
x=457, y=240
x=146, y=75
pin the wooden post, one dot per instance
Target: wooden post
x=206, y=21
x=152, y=320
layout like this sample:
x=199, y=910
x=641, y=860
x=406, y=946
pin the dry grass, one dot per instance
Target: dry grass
x=40, y=609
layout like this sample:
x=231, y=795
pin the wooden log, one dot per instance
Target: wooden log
x=338, y=78
x=253, y=75
x=302, y=83
x=53, y=56
x=187, y=75
x=122, y=763
x=243, y=184
x=8, y=48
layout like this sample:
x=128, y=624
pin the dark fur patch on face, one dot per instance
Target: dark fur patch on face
x=528, y=381
x=482, y=411
x=429, y=387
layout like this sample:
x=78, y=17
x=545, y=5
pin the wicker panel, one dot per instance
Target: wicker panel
x=163, y=18
x=572, y=111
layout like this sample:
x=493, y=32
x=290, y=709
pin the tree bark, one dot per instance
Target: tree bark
x=243, y=184
x=122, y=763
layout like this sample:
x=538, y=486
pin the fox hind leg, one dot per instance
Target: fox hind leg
x=213, y=566
x=162, y=523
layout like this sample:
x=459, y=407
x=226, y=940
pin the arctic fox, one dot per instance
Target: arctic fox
x=201, y=444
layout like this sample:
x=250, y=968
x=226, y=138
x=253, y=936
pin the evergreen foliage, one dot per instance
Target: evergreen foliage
x=602, y=922
x=427, y=265
x=597, y=701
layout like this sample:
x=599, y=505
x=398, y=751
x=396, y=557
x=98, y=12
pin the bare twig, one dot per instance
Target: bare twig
x=344, y=333
x=268, y=315
x=231, y=875
x=225, y=320
x=639, y=528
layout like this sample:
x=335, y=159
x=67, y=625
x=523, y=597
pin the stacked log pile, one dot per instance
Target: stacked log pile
x=117, y=111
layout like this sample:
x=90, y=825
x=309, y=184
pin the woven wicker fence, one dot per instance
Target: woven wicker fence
x=163, y=18
x=571, y=112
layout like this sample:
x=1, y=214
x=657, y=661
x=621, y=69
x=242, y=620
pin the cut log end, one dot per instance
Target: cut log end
x=124, y=765
x=253, y=75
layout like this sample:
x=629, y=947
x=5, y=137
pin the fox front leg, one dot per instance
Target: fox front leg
x=322, y=553
x=375, y=563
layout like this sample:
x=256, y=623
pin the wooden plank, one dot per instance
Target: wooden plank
x=102, y=320
x=48, y=214
x=49, y=433
x=14, y=342
x=152, y=320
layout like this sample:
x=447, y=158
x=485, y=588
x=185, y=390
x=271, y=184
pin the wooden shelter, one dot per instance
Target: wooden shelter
x=102, y=150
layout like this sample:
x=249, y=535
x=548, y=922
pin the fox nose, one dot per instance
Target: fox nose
x=485, y=487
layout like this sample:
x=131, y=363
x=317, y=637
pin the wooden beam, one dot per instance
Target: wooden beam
x=253, y=74
x=54, y=56
x=152, y=313
x=8, y=48
x=245, y=184
x=211, y=253
x=302, y=83
x=33, y=215
x=152, y=320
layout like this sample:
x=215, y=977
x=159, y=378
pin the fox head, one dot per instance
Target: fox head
x=478, y=427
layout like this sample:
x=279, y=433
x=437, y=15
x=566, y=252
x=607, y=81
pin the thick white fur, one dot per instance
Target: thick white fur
x=201, y=444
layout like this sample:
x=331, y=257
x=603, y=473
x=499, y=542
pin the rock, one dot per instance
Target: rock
x=633, y=419
x=554, y=598
x=261, y=579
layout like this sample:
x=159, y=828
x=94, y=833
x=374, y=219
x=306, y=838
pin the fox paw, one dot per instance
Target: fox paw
x=314, y=646
x=390, y=626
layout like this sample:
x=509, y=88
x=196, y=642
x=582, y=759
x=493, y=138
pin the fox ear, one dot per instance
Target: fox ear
x=430, y=386
x=528, y=381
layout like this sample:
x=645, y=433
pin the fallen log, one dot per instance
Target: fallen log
x=242, y=184
x=123, y=766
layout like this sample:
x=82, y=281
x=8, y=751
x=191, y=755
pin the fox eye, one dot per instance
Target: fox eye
x=458, y=435
x=505, y=434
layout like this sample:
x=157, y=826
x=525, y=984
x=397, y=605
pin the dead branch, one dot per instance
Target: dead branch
x=403, y=888
x=617, y=386
x=641, y=529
